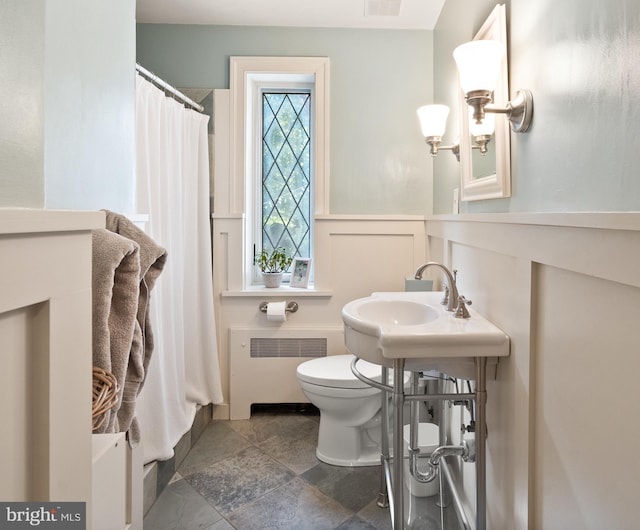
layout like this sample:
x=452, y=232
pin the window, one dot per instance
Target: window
x=280, y=116
x=286, y=177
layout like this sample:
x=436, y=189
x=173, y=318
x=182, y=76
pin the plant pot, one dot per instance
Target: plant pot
x=272, y=279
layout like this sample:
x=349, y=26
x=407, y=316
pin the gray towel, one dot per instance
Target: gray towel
x=115, y=280
x=152, y=261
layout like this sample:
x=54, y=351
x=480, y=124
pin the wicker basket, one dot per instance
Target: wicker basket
x=105, y=396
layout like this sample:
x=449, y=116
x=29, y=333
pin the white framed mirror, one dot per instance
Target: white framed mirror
x=487, y=175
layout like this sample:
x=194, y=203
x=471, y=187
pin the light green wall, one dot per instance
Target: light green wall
x=379, y=164
x=580, y=60
x=579, y=57
x=21, y=86
x=89, y=104
x=67, y=104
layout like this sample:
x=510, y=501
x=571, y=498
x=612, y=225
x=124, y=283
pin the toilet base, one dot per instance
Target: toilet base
x=368, y=457
x=345, y=446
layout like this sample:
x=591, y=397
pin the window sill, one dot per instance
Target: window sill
x=260, y=291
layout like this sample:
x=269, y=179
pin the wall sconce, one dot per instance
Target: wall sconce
x=478, y=68
x=433, y=122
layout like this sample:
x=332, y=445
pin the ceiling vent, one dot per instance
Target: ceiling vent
x=384, y=8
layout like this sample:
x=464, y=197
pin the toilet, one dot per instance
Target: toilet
x=349, y=409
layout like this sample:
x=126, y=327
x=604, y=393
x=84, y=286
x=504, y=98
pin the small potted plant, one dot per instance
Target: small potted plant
x=273, y=265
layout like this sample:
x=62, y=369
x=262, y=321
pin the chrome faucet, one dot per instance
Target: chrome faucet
x=451, y=282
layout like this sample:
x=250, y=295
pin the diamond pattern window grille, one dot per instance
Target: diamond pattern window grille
x=286, y=172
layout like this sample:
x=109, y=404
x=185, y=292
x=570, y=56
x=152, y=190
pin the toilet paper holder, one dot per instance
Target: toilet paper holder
x=291, y=307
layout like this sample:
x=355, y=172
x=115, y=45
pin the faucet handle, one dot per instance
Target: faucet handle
x=445, y=298
x=461, y=310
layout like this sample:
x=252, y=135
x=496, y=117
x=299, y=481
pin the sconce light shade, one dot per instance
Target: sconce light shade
x=433, y=120
x=479, y=64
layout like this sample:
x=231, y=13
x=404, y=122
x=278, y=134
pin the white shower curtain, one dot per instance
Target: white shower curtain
x=173, y=189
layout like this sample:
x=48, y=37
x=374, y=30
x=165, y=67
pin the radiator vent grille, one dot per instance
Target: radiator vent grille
x=269, y=347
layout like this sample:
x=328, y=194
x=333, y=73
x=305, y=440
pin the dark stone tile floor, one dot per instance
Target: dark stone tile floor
x=262, y=474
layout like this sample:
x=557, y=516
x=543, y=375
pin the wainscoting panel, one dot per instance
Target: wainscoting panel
x=45, y=342
x=354, y=256
x=26, y=439
x=587, y=364
x=562, y=408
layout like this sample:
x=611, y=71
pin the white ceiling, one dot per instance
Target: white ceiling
x=411, y=14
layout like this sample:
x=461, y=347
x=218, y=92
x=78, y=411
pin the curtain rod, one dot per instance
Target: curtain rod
x=155, y=79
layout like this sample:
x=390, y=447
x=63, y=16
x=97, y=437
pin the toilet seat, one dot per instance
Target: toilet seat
x=335, y=371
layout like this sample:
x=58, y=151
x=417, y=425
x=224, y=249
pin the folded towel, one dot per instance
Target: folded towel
x=115, y=288
x=152, y=261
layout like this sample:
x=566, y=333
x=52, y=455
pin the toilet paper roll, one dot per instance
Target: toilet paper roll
x=277, y=311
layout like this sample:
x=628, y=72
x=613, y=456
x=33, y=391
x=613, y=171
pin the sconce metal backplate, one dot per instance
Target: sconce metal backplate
x=521, y=110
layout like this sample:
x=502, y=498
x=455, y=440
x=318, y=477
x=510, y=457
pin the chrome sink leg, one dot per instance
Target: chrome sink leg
x=481, y=443
x=398, y=449
x=383, y=497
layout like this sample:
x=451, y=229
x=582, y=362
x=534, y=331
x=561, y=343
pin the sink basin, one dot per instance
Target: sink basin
x=414, y=326
x=394, y=312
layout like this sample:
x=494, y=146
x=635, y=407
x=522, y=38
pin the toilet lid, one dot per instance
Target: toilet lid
x=335, y=371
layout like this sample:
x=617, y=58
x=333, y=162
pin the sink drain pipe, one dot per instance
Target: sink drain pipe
x=466, y=451
x=479, y=451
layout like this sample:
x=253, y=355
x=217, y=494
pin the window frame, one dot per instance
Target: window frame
x=245, y=72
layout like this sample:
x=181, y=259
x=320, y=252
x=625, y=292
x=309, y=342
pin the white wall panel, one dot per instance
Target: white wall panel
x=45, y=338
x=354, y=256
x=585, y=401
x=565, y=288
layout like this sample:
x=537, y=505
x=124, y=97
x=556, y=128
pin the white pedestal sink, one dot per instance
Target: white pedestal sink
x=414, y=326
x=413, y=331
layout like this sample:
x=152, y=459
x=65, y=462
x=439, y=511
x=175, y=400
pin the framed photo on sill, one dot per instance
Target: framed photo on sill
x=300, y=270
